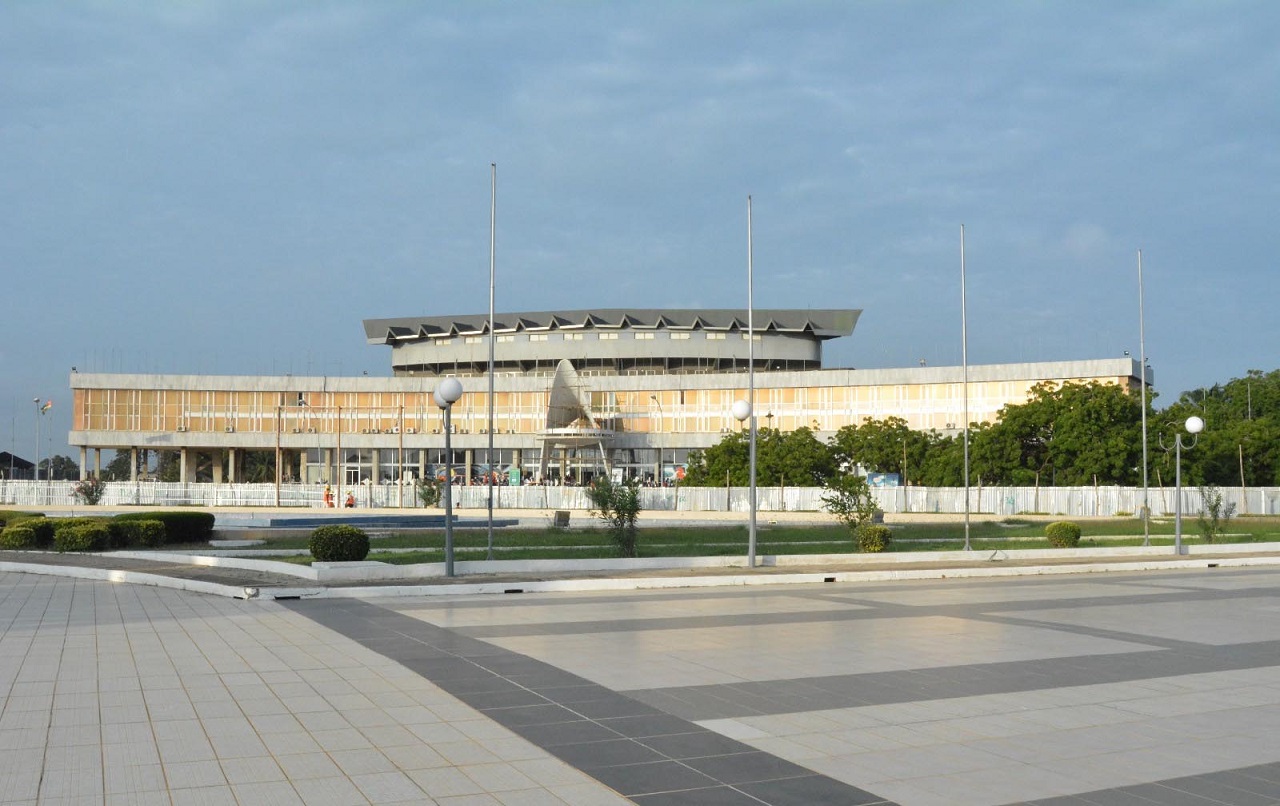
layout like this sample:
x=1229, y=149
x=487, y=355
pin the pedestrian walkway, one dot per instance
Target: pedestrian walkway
x=1123, y=688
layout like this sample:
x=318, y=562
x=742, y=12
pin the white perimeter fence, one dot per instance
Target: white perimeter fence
x=1067, y=501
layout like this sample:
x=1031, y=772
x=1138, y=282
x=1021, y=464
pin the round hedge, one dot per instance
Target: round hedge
x=19, y=537
x=339, y=543
x=91, y=536
x=179, y=526
x=873, y=537
x=1063, y=534
x=146, y=533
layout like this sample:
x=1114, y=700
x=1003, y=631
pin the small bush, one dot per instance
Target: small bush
x=94, y=535
x=428, y=491
x=43, y=527
x=1215, y=515
x=1063, y=534
x=339, y=543
x=179, y=527
x=127, y=533
x=90, y=491
x=873, y=537
x=19, y=536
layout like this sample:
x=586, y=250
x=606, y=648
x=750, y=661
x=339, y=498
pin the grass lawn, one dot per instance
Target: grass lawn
x=1012, y=533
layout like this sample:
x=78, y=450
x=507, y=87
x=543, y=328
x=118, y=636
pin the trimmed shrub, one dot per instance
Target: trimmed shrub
x=873, y=537
x=1063, y=534
x=339, y=543
x=95, y=535
x=179, y=527
x=19, y=536
x=43, y=528
x=9, y=517
x=127, y=533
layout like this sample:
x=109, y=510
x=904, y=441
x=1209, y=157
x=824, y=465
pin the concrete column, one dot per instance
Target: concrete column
x=518, y=461
x=84, y=463
x=232, y=475
x=327, y=473
x=375, y=476
x=133, y=464
x=97, y=463
x=216, y=462
x=422, y=463
x=469, y=458
x=182, y=465
x=302, y=464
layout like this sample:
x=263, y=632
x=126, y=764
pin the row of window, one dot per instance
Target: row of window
x=638, y=335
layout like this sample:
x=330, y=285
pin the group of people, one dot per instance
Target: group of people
x=328, y=498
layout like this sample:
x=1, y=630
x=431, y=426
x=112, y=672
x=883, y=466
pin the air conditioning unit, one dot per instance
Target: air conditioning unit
x=230, y=429
x=182, y=428
x=297, y=430
x=394, y=430
x=484, y=430
x=435, y=430
x=311, y=430
x=364, y=430
x=411, y=430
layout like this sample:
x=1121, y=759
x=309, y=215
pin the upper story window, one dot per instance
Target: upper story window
x=608, y=336
x=645, y=336
x=715, y=336
x=537, y=337
x=443, y=342
x=573, y=337
x=679, y=335
x=474, y=339
x=505, y=339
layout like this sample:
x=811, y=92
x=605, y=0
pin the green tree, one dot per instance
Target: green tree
x=849, y=498
x=796, y=458
x=884, y=446
x=118, y=468
x=59, y=468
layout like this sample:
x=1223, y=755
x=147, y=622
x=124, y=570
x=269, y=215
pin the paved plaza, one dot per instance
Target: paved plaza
x=1122, y=688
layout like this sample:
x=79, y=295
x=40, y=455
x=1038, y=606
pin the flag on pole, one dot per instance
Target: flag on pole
x=48, y=404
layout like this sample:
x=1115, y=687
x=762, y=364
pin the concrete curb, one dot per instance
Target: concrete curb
x=618, y=583
x=655, y=583
x=129, y=578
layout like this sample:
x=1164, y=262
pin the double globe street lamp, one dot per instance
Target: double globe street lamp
x=445, y=395
x=1194, y=426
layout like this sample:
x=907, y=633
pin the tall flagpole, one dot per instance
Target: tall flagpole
x=964, y=363
x=37, y=467
x=751, y=397
x=493, y=216
x=1142, y=361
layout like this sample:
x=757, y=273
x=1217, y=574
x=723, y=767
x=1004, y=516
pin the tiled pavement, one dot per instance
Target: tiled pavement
x=1143, y=688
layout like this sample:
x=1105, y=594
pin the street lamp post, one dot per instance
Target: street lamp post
x=1142, y=363
x=1194, y=426
x=964, y=364
x=658, y=478
x=445, y=395
x=742, y=412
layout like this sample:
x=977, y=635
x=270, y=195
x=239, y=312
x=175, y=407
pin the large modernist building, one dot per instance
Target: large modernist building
x=574, y=393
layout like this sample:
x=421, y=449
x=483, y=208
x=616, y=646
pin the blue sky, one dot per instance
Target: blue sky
x=232, y=187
